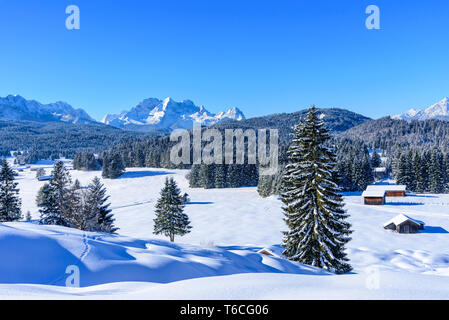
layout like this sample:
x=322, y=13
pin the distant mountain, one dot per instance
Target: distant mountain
x=439, y=110
x=336, y=120
x=166, y=115
x=16, y=107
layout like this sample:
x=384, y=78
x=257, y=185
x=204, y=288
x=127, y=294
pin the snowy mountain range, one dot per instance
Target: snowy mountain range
x=153, y=115
x=439, y=110
x=18, y=108
x=149, y=115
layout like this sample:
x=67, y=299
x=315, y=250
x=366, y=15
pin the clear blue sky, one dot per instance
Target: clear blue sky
x=261, y=56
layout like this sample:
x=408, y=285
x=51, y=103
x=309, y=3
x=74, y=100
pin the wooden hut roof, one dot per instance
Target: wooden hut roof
x=400, y=219
x=373, y=193
x=387, y=187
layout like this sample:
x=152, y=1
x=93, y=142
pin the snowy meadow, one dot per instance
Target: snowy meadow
x=219, y=259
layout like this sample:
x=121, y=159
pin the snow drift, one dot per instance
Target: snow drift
x=36, y=254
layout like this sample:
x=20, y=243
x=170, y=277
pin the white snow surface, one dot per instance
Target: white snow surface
x=219, y=259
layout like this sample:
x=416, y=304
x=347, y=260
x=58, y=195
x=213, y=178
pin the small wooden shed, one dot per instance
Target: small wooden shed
x=391, y=190
x=374, y=197
x=404, y=224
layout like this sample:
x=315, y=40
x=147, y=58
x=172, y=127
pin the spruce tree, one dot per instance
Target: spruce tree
x=57, y=199
x=375, y=159
x=97, y=214
x=436, y=174
x=170, y=217
x=220, y=176
x=194, y=176
x=10, y=203
x=313, y=207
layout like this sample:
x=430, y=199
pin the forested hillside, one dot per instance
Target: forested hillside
x=389, y=134
x=44, y=140
x=337, y=120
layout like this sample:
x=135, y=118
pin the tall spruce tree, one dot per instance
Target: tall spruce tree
x=10, y=203
x=313, y=207
x=170, y=217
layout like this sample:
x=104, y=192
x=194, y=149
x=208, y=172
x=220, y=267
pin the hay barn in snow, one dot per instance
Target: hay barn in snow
x=374, y=197
x=404, y=224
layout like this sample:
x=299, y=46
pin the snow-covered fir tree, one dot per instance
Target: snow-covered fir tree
x=10, y=203
x=376, y=161
x=96, y=213
x=58, y=201
x=170, y=217
x=313, y=206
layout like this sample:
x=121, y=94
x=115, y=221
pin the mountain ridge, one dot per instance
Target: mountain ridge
x=16, y=107
x=153, y=114
x=439, y=110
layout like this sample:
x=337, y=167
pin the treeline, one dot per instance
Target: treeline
x=355, y=166
x=392, y=135
x=422, y=170
x=354, y=169
x=85, y=161
x=223, y=176
x=53, y=140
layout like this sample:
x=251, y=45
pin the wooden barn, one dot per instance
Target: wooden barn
x=374, y=197
x=404, y=224
x=391, y=190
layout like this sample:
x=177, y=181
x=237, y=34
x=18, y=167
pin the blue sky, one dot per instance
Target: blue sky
x=261, y=56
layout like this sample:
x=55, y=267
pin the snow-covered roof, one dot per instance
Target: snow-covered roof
x=373, y=193
x=387, y=187
x=380, y=169
x=399, y=219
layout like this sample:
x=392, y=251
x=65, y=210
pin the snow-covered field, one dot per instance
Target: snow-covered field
x=219, y=259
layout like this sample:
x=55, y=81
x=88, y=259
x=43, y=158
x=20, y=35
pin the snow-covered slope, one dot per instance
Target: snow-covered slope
x=16, y=107
x=154, y=114
x=218, y=259
x=439, y=110
x=103, y=258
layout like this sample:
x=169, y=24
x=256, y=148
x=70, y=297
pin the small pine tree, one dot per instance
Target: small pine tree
x=313, y=207
x=194, y=176
x=77, y=185
x=220, y=176
x=28, y=216
x=97, y=214
x=10, y=203
x=40, y=172
x=375, y=159
x=170, y=217
x=436, y=172
x=57, y=200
